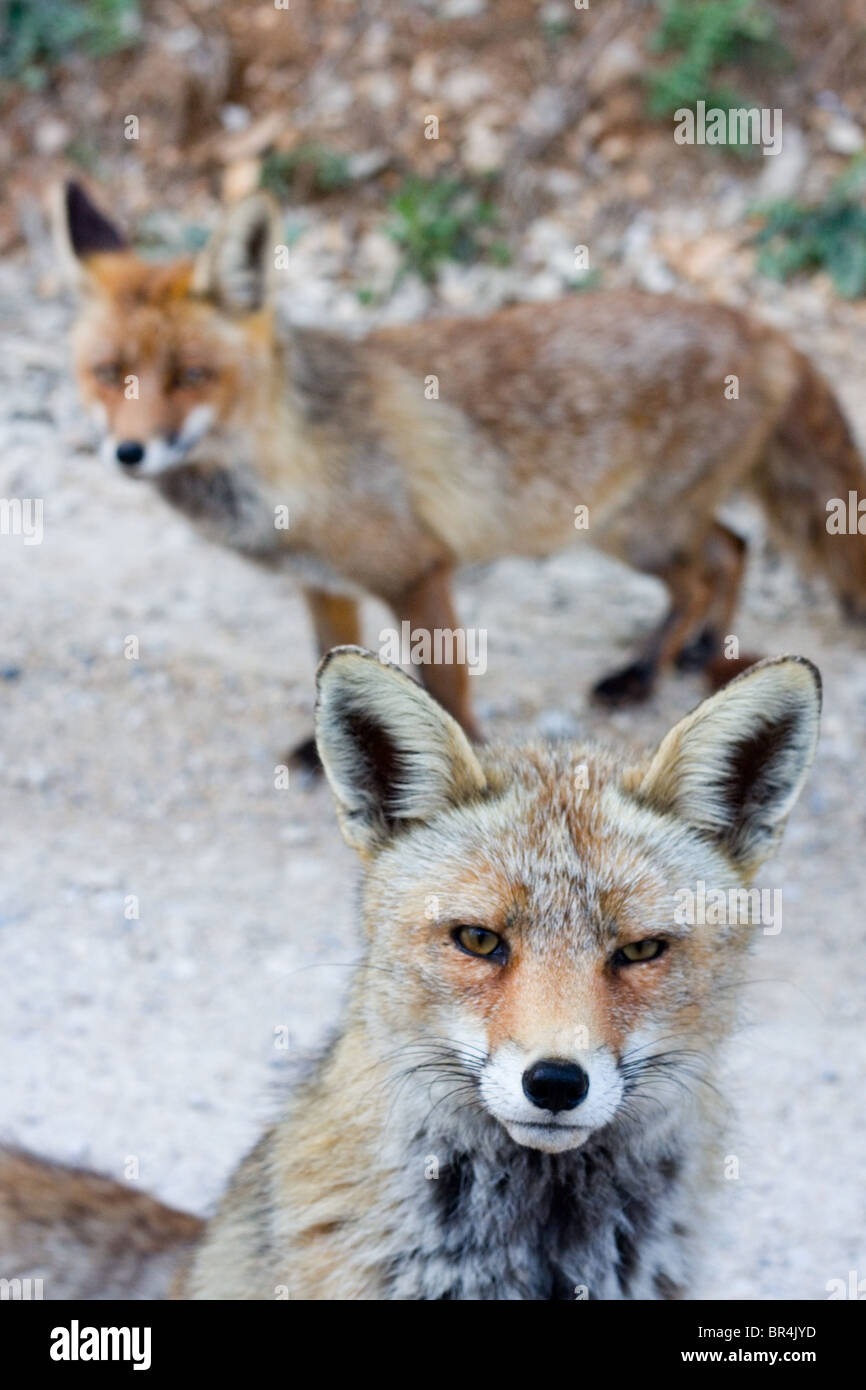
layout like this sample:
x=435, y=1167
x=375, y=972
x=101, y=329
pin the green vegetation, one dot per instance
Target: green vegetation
x=588, y=281
x=38, y=34
x=438, y=220
x=311, y=167
x=830, y=235
x=708, y=35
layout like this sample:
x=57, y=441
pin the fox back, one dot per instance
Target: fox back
x=520, y=1103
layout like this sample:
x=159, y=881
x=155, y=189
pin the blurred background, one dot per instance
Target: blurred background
x=164, y=908
x=454, y=151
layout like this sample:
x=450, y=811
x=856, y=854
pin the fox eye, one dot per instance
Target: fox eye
x=477, y=941
x=637, y=951
x=192, y=376
x=109, y=373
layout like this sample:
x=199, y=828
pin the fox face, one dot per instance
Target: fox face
x=527, y=956
x=170, y=358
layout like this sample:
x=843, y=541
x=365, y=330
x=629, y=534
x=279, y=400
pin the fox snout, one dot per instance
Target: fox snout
x=551, y=1102
x=146, y=457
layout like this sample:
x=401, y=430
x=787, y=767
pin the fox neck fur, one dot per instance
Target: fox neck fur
x=439, y=1203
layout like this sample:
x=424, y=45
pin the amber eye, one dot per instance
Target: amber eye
x=192, y=376
x=477, y=941
x=109, y=373
x=637, y=951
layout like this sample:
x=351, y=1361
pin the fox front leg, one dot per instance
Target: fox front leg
x=428, y=607
x=336, y=623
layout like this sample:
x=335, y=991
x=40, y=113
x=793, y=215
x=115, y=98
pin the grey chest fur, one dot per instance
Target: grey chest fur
x=227, y=505
x=230, y=507
x=592, y=1224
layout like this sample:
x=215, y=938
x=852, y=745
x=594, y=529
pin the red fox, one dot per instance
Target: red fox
x=519, y=1103
x=377, y=467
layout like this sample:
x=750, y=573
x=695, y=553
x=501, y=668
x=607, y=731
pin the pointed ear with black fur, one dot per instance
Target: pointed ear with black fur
x=236, y=268
x=82, y=229
x=390, y=753
x=734, y=767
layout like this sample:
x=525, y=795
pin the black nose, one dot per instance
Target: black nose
x=129, y=451
x=554, y=1085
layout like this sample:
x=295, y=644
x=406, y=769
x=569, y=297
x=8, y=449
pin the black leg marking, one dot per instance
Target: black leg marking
x=304, y=759
x=628, y=686
x=697, y=654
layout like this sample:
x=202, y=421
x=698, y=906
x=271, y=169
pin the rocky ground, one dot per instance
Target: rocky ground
x=152, y=779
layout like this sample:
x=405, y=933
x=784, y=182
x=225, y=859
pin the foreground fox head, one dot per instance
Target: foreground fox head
x=168, y=356
x=525, y=944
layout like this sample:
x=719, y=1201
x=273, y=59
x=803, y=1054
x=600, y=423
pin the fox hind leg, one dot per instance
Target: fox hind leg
x=724, y=566
x=689, y=602
x=704, y=587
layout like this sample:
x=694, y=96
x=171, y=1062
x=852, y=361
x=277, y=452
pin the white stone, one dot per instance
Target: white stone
x=51, y=136
x=617, y=63
x=843, y=136
x=462, y=9
x=463, y=87
x=483, y=149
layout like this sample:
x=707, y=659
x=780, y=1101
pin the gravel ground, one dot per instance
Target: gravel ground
x=154, y=1036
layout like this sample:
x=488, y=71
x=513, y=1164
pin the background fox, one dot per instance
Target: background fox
x=518, y=1104
x=612, y=401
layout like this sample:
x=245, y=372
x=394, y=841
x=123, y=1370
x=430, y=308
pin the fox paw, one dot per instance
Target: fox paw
x=304, y=760
x=697, y=654
x=723, y=669
x=626, y=687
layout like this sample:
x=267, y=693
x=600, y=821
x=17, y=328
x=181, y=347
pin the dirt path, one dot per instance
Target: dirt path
x=154, y=1036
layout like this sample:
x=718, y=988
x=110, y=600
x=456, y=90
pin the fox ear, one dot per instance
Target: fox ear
x=390, y=753
x=236, y=267
x=81, y=229
x=734, y=767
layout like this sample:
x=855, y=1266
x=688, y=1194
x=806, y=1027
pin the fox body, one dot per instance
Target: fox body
x=520, y=1101
x=325, y=457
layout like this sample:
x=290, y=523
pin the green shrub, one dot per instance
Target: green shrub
x=321, y=169
x=436, y=220
x=830, y=235
x=39, y=34
x=708, y=34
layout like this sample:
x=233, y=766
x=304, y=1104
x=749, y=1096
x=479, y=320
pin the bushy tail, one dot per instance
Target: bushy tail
x=811, y=460
x=84, y=1236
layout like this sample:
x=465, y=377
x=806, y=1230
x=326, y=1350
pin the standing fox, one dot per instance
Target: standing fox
x=613, y=402
x=519, y=1103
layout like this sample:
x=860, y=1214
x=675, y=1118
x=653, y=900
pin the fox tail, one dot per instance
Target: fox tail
x=67, y=1233
x=810, y=467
